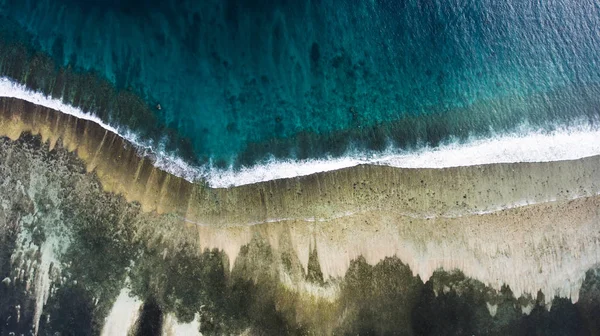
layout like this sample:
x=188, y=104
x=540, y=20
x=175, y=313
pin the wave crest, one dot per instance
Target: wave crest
x=527, y=144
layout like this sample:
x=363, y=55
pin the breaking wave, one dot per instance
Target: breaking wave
x=527, y=144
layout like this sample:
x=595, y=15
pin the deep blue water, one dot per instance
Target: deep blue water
x=239, y=81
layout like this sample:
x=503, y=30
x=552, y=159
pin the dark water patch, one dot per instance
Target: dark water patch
x=187, y=284
x=70, y=312
x=463, y=310
x=563, y=319
x=180, y=281
x=379, y=298
x=150, y=321
x=340, y=73
x=16, y=306
x=589, y=303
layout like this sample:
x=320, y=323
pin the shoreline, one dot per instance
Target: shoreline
x=425, y=192
x=521, y=145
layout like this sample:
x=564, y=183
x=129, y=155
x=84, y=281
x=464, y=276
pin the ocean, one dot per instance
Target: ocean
x=232, y=84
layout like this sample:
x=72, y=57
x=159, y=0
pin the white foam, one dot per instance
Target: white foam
x=8, y=88
x=524, y=145
x=172, y=327
x=42, y=283
x=526, y=310
x=163, y=160
x=122, y=316
x=492, y=309
x=533, y=146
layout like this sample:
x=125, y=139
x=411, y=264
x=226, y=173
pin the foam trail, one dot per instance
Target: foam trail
x=162, y=160
x=534, y=146
x=524, y=145
x=42, y=283
x=8, y=88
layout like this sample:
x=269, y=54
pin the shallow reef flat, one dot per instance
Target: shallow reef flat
x=95, y=239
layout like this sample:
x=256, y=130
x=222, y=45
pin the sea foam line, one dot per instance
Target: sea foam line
x=524, y=145
x=161, y=159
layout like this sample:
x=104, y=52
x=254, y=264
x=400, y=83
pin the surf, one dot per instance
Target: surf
x=526, y=144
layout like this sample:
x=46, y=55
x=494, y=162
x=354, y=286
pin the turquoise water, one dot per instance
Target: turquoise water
x=241, y=81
